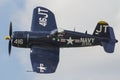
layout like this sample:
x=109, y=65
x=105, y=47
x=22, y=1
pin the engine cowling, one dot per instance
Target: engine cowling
x=20, y=39
x=26, y=39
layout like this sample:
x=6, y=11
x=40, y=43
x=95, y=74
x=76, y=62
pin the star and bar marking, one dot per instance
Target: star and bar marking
x=42, y=68
x=70, y=41
x=82, y=40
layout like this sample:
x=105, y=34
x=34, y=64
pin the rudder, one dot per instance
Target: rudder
x=110, y=45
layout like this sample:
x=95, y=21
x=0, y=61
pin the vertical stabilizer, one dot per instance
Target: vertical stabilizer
x=106, y=33
x=101, y=29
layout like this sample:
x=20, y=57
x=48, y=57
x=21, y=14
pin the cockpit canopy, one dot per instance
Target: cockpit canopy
x=59, y=30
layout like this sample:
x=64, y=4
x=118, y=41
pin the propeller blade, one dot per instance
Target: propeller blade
x=10, y=34
x=9, y=47
x=10, y=30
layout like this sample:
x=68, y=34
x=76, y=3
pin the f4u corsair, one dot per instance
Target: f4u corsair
x=45, y=40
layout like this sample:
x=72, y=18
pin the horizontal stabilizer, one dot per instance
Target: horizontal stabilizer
x=110, y=45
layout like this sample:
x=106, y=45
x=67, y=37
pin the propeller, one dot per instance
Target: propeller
x=9, y=38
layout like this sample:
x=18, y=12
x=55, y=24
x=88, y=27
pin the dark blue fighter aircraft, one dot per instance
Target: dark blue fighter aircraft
x=45, y=40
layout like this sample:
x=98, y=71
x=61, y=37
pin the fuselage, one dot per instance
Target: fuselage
x=26, y=39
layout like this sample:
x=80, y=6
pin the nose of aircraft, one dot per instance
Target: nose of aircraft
x=7, y=37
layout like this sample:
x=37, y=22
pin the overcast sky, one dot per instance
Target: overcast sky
x=90, y=63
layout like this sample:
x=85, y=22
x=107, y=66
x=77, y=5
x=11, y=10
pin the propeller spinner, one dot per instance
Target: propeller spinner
x=9, y=38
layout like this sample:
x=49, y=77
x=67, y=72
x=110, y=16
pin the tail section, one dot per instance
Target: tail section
x=106, y=33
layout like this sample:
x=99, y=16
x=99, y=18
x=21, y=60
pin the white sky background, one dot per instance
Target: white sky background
x=76, y=63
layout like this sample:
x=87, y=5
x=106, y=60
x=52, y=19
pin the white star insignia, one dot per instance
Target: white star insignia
x=70, y=41
x=42, y=68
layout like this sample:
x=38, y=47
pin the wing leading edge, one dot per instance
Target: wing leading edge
x=44, y=60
